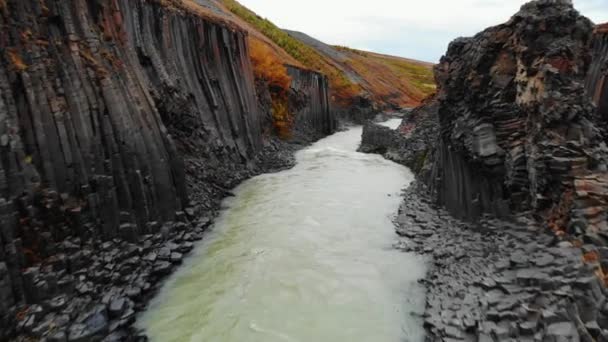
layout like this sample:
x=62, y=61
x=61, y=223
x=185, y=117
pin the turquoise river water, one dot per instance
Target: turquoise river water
x=301, y=255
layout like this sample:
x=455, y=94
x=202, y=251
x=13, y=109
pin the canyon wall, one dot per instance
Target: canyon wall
x=98, y=96
x=312, y=107
x=516, y=126
x=597, y=80
x=122, y=125
x=516, y=131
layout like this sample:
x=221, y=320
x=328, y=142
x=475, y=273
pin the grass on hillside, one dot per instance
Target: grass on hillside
x=342, y=87
x=267, y=67
x=382, y=73
x=420, y=75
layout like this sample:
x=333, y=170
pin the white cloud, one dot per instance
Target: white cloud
x=411, y=28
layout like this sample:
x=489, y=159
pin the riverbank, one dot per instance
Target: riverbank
x=103, y=285
x=502, y=280
x=282, y=263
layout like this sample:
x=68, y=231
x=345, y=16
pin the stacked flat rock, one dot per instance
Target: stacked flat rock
x=499, y=280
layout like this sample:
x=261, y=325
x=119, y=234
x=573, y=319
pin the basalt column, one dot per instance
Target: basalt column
x=516, y=129
x=313, y=107
x=597, y=79
x=102, y=104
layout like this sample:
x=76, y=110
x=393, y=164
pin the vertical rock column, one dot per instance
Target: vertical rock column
x=597, y=79
x=516, y=127
x=313, y=109
x=100, y=103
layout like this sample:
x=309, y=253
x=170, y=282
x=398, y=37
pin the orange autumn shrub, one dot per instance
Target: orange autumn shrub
x=267, y=67
x=282, y=119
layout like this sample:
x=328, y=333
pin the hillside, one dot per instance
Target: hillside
x=389, y=80
x=354, y=76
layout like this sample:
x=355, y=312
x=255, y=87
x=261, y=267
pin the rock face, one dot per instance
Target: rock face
x=516, y=126
x=122, y=123
x=516, y=131
x=517, y=137
x=597, y=80
x=411, y=144
x=89, y=116
x=313, y=112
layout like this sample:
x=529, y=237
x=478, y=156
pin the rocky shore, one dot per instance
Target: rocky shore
x=510, y=200
x=92, y=289
x=496, y=280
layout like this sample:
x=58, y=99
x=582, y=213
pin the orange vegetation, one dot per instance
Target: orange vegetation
x=591, y=257
x=342, y=88
x=268, y=67
x=390, y=80
x=16, y=60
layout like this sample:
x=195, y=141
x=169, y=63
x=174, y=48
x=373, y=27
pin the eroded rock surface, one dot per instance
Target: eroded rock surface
x=516, y=125
x=411, y=143
x=516, y=130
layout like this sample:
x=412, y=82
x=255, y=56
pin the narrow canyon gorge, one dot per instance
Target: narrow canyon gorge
x=177, y=170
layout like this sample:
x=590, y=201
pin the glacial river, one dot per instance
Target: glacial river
x=301, y=255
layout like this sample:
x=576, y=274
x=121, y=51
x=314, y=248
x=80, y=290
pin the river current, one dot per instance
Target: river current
x=301, y=255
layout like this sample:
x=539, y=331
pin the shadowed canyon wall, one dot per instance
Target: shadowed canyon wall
x=313, y=112
x=597, y=80
x=517, y=132
x=116, y=116
x=516, y=126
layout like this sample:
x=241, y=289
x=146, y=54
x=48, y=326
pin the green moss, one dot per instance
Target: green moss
x=420, y=161
x=295, y=48
x=420, y=76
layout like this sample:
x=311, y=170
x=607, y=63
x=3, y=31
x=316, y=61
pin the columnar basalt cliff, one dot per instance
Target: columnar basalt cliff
x=597, y=80
x=312, y=104
x=517, y=131
x=122, y=125
x=516, y=125
x=518, y=240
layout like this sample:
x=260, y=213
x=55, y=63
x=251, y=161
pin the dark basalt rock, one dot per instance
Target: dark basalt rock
x=123, y=123
x=515, y=129
x=312, y=107
x=496, y=280
x=516, y=126
x=516, y=134
x=410, y=144
x=597, y=78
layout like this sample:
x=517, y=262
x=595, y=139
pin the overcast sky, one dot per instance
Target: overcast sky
x=418, y=29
